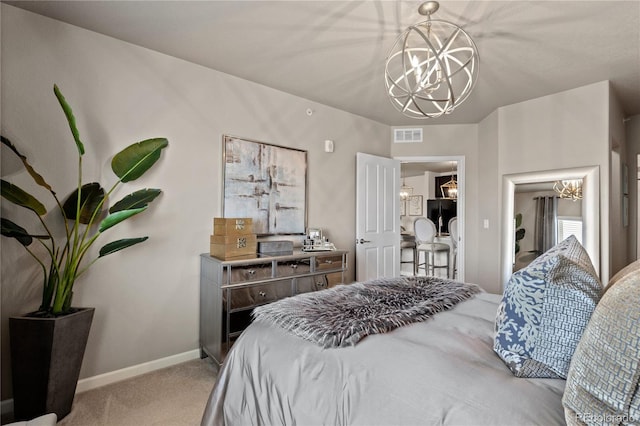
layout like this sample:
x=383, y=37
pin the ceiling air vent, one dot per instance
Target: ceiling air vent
x=405, y=135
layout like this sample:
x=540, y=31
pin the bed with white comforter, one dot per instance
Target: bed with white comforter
x=442, y=371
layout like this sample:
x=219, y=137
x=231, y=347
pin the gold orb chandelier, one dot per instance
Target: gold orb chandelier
x=432, y=67
x=570, y=189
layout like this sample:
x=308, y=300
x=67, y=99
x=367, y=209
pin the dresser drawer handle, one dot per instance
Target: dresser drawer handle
x=294, y=266
x=251, y=272
x=262, y=293
x=329, y=261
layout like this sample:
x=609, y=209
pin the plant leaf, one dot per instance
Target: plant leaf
x=117, y=217
x=518, y=220
x=11, y=230
x=133, y=161
x=35, y=175
x=118, y=245
x=17, y=196
x=70, y=118
x=520, y=234
x=91, y=195
x=136, y=200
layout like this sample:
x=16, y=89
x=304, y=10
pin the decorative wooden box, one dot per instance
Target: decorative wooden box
x=232, y=238
x=232, y=246
x=232, y=226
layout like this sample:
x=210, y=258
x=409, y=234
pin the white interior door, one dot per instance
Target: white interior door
x=377, y=217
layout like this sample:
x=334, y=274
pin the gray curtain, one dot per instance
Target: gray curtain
x=545, y=235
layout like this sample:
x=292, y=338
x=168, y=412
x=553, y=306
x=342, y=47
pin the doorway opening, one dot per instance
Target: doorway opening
x=426, y=183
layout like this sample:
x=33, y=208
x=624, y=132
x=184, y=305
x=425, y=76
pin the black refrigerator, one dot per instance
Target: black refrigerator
x=440, y=211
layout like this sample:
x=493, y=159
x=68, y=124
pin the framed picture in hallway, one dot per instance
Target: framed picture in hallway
x=415, y=205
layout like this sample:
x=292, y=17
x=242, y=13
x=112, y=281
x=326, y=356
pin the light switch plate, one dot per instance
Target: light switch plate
x=328, y=145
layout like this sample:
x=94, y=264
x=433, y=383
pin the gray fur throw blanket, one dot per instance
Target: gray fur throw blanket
x=345, y=314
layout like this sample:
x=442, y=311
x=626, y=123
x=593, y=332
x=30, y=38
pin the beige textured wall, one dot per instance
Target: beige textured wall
x=632, y=128
x=620, y=234
x=564, y=130
x=448, y=141
x=488, y=206
x=146, y=298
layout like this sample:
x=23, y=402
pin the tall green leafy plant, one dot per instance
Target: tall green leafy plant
x=519, y=231
x=85, y=216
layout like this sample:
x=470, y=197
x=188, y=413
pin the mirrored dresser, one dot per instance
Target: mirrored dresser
x=230, y=289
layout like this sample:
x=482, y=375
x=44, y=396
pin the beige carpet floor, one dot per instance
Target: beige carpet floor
x=173, y=396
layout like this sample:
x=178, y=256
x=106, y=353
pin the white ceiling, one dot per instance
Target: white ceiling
x=333, y=52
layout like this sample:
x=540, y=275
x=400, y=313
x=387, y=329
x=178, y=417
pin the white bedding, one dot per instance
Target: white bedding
x=439, y=372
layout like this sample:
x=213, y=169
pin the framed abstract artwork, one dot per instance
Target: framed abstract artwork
x=267, y=183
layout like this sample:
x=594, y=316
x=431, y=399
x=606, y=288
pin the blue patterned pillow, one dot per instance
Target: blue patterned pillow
x=544, y=310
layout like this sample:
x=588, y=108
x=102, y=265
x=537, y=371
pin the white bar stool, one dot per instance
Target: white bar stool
x=425, y=232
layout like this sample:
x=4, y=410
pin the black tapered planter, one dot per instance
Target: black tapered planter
x=46, y=356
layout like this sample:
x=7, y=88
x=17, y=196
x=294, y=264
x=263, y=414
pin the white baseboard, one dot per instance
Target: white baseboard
x=89, y=383
x=135, y=370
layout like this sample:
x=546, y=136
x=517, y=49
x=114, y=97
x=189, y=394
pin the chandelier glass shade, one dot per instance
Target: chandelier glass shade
x=570, y=189
x=450, y=188
x=405, y=191
x=432, y=67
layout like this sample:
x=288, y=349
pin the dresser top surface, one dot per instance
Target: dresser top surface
x=263, y=257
